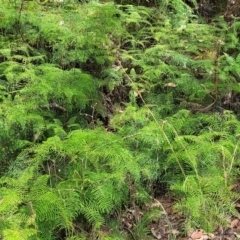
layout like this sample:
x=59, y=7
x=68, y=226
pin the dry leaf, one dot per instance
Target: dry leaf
x=156, y=204
x=196, y=234
x=175, y=232
x=170, y=84
x=234, y=223
x=233, y=186
x=126, y=223
x=205, y=237
x=156, y=234
x=237, y=205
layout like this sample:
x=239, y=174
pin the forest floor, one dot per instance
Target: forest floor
x=171, y=225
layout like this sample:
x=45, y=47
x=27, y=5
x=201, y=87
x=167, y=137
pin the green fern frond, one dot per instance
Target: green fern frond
x=92, y=215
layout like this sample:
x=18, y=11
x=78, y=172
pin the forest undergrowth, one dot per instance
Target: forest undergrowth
x=107, y=109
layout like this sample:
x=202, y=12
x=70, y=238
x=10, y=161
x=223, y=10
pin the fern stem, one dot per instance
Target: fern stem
x=233, y=156
x=172, y=149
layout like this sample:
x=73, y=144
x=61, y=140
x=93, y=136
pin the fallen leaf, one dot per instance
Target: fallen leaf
x=170, y=84
x=175, y=232
x=156, y=204
x=196, y=234
x=126, y=223
x=233, y=186
x=234, y=223
x=205, y=237
x=237, y=205
x=156, y=234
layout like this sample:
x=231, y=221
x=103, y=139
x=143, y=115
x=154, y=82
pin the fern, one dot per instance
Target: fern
x=140, y=67
x=97, y=197
x=205, y=175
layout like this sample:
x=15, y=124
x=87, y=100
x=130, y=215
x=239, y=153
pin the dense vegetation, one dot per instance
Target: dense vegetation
x=106, y=106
